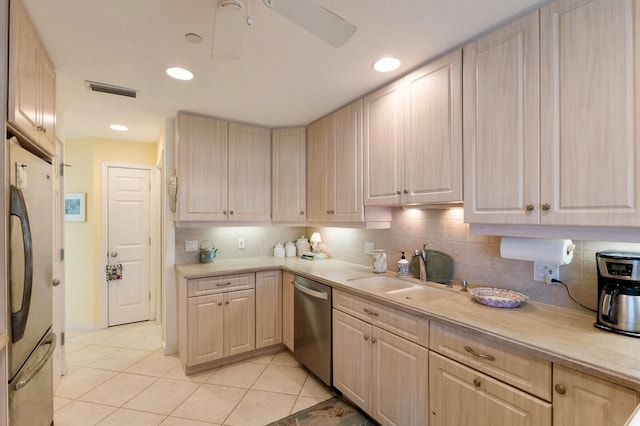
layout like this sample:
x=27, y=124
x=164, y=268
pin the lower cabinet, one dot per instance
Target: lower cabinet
x=220, y=325
x=268, y=308
x=287, y=309
x=584, y=400
x=385, y=375
x=460, y=395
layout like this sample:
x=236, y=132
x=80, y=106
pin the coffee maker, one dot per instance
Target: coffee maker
x=619, y=292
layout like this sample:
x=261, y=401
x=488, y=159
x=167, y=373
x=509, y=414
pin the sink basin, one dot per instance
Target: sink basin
x=418, y=294
x=381, y=282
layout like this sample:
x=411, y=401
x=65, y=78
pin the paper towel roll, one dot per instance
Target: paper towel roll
x=551, y=251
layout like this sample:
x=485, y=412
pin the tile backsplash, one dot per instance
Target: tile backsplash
x=476, y=257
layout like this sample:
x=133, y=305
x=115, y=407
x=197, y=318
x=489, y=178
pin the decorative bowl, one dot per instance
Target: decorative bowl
x=498, y=297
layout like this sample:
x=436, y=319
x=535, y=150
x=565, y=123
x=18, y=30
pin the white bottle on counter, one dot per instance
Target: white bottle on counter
x=302, y=245
x=290, y=249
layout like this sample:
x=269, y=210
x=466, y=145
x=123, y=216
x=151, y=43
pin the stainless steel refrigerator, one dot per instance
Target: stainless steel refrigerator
x=30, y=289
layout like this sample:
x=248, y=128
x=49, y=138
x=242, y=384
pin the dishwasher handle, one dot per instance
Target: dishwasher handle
x=310, y=292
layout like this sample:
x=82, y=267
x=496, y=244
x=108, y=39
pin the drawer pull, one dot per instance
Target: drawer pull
x=219, y=303
x=479, y=355
x=560, y=389
x=223, y=284
x=226, y=303
x=477, y=382
x=366, y=337
x=374, y=340
x=370, y=312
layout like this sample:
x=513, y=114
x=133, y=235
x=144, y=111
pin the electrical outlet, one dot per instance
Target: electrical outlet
x=241, y=242
x=191, y=245
x=368, y=248
x=544, y=272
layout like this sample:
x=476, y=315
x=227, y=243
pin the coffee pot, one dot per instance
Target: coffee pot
x=379, y=261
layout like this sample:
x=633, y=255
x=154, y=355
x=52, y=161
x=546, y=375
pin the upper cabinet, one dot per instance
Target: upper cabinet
x=32, y=84
x=502, y=125
x=413, y=137
x=288, y=170
x=334, y=166
x=551, y=116
x=590, y=115
x=223, y=169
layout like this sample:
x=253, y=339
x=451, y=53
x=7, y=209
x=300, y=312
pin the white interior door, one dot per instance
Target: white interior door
x=58, y=263
x=129, y=226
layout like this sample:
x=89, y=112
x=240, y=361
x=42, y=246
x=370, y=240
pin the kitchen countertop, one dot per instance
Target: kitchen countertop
x=561, y=335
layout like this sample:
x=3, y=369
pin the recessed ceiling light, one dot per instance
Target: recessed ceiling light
x=119, y=127
x=180, y=73
x=386, y=64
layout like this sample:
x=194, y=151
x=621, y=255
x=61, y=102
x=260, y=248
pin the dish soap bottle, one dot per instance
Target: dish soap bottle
x=403, y=266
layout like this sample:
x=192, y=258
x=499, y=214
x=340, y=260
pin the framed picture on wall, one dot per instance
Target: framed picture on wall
x=75, y=207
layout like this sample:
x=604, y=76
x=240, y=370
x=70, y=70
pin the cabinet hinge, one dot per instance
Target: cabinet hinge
x=62, y=339
x=149, y=295
x=149, y=240
x=61, y=170
x=61, y=255
x=149, y=186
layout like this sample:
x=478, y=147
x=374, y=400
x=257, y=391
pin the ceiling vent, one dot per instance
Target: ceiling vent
x=111, y=89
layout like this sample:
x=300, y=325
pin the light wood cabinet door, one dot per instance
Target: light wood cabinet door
x=239, y=322
x=352, y=359
x=288, y=171
x=32, y=83
x=345, y=185
x=201, y=159
x=459, y=395
x=287, y=309
x=433, y=132
x=400, y=384
x=318, y=169
x=249, y=173
x=581, y=399
x=204, y=329
x=268, y=308
x=590, y=120
x=501, y=106
x=383, y=146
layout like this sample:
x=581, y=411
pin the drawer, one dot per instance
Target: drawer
x=220, y=284
x=409, y=326
x=521, y=370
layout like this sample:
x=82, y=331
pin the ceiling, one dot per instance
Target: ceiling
x=284, y=77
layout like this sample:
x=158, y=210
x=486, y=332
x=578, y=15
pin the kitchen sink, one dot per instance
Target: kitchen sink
x=419, y=294
x=381, y=282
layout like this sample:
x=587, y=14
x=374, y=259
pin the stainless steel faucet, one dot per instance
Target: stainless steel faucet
x=423, y=263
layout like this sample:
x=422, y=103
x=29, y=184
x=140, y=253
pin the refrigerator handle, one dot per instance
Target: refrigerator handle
x=22, y=381
x=18, y=208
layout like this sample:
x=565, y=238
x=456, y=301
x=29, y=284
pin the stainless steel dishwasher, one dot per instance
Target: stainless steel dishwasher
x=312, y=327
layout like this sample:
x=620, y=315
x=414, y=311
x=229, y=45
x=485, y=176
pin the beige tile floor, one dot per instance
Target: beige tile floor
x=119, y=376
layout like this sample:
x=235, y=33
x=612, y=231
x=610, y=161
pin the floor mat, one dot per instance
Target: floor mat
x=332, y=412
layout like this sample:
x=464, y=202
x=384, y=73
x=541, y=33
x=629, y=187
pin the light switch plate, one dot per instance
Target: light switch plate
x=368, y=248
x=191, y=245
x=241, y=242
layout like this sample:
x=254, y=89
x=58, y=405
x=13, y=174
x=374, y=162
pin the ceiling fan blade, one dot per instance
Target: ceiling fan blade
x=316, y=19
x=229, y=30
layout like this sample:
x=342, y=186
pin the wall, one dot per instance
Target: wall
x=476, y=257
x=259, y=240
x=83, y=257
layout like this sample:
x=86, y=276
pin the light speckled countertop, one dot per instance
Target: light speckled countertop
x=557, y=334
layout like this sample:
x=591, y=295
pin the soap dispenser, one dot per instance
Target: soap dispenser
x=403, y=266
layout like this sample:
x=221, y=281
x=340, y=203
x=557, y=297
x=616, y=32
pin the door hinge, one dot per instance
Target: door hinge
x=61, y=169
x=149, y=240
x=61, y=255
x=149, y=295
x=149, y=186
x=62, y=339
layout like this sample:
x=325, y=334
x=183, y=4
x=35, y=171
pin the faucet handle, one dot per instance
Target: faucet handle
x=464, y=285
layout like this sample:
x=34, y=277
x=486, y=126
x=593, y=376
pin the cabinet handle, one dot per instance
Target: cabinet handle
x=374, y=340
x=477, y=382
x=301, y=211
x=224, y=212
x=479, y=355
x=398, y=192
x=223, y=284
x=406, y=191
x=560, y=389
x=219, y=303
x=44, y=129
x=370, y=312
x=328, y=211
x=226, y=303
x=546, y=207
x=332, y=211
x=529, y=207
x=231, y=212
x=366, y=337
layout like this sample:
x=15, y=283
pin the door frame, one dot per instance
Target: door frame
x=154, y=232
